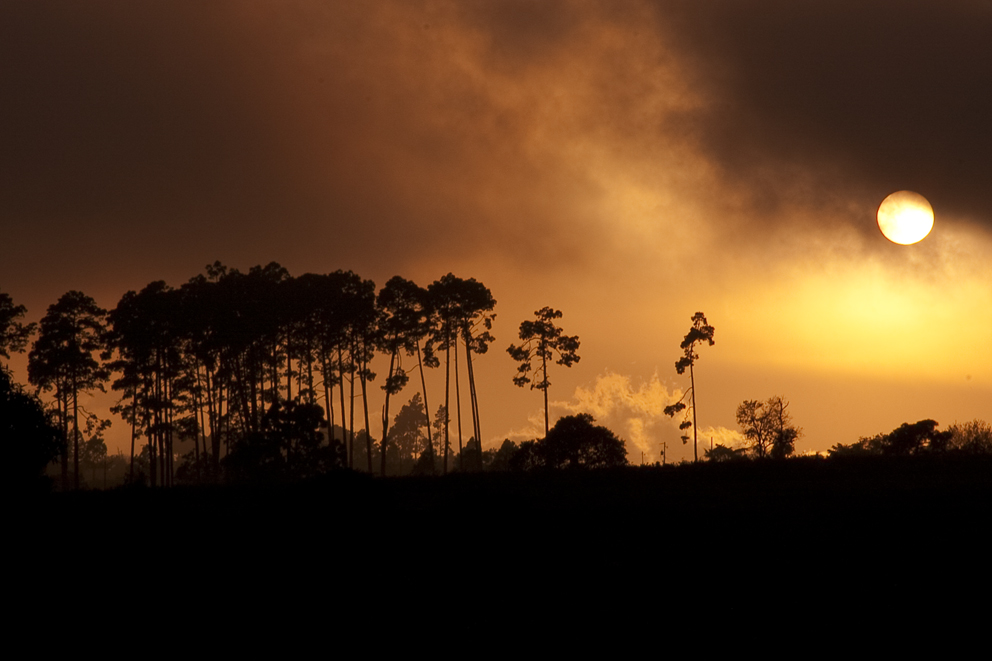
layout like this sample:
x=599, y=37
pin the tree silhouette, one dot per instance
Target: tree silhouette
x=542, y=340
x=908, y=439
x=328, y=294
x=476, y=304
x=462, y=309
x=721, y=453
x=407, y=441
x=13, y=334
x=204, y=323
x=700, y=331
x=29, y=439
x=150, y=335
x=94, y=446
x=358, y=325
x=973, y=437
x=499, y=459
x=768, y=428
x=574, y=442
x=287, y=446
x=402, y=311
x=62, y=360
x=208, y=361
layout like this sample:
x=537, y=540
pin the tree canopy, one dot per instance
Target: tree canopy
x=908, y=439
x=13, y=334
x=542, y=340
x=574, y=442
x=699, y=332
x=287, y=447
x=65, y=358
x=460, y=309
x=30, y=440
x=767, y=427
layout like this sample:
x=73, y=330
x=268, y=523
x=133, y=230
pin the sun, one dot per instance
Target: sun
x=905, y=217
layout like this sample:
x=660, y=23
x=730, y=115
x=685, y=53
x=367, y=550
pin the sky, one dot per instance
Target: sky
x=628, y=163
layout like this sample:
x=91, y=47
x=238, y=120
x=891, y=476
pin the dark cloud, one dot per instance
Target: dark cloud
x=231, y=129
x=522, y=33
x=870, y=96
x=175, y=133
x=112, y=108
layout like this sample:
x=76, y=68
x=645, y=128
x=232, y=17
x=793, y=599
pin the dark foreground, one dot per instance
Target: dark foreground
x=866, y=533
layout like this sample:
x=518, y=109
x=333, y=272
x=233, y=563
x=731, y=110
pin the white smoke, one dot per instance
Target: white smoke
x=634, y=411
x=730, y=438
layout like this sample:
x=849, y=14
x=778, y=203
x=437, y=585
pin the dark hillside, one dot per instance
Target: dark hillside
x=808, y=529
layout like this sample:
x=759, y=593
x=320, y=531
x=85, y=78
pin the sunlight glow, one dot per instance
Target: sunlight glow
x=869, y=322
x=905, y=217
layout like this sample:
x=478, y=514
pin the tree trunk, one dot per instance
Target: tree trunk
x=458, y=411
x=385, y=417
x=474, y=400
x=313, y=395
x=695, y=428
x=75, y=434
x=365, y=407
x=447, y=399
x=169, y=436
x=544, y=371
x=289, y=374
x=199, y=420
x=134, y=425
x=327, y=397
x=344, y=429
x=62, y=399
x=213, y=414
x=351, y=409
x=427, y=410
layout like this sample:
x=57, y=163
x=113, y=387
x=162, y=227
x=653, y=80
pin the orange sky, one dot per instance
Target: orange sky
x=628, y=163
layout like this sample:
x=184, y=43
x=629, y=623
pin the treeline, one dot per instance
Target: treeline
x=769, y=433
x=250, y=367
x=922, y=439
x=261, y=376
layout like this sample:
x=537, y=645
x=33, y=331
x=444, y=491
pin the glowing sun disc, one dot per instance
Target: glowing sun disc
x=905, y=217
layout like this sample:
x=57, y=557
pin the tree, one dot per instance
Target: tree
x=476, y=303
x=429, y=461
x=145, y=334
x=402, y=312
x=768, y=428
x=499, y=459
x=358, y=327
x=472, y=455
x=407, y=440
x=526, y=457
x=461, y=309
x=328, y=292
x=908, y=439
x=541, y=341
x=574, y=442
x=918, y=437
x=721, y=454
x=287, y=447
x=30, y=440
x=94, y=446
x=13, y=334
x=62, y=359
x=700, y=331
x=973, y=437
